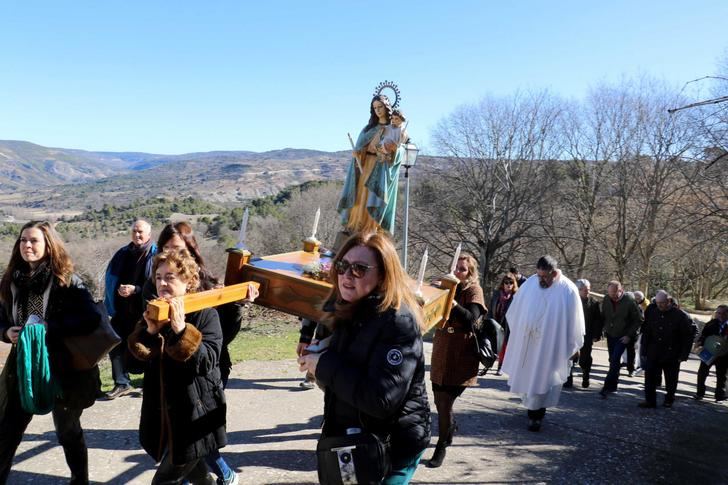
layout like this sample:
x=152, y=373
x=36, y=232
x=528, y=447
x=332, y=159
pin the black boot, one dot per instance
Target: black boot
x=438, y=456
x=569, y=382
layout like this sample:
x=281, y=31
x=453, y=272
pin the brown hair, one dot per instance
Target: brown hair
x=58, y=259
x=187, y=234
x=183, y=263
x=394, y=286
x=510, y=277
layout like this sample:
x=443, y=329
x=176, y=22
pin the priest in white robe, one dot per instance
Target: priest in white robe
x=547, y=328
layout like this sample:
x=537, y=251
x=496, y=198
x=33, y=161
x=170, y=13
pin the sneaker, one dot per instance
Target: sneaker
x=234, y=479
x=119, y=391
x=305, y=385
x=499, y=372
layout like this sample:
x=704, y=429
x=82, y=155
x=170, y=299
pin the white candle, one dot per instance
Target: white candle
x=315, y=223
x=243, y=229
x=421, y=273
x=455, y=258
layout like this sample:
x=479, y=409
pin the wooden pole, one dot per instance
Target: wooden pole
x=159, y=309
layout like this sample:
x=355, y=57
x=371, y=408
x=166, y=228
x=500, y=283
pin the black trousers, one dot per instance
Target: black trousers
x=67, y=422
x=631, y=353
x=653, y=374
x=585, y=358
x=721, y=368
x=536, y=413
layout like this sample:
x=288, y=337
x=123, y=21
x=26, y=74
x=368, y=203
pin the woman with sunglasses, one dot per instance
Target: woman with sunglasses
x=454, y=358
x=373, y=372
x=499, y=304
x=39, y=284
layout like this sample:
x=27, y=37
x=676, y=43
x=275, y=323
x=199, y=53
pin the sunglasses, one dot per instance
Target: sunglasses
x=358, y=270
x=508, y=282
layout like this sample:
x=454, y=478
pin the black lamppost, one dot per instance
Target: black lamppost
x=410, y=158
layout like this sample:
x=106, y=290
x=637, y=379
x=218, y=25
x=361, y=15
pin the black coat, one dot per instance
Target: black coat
x=374, y=375
x=710, y=328
x=666, y=336
x=71, y=311
x=593, y=322
x=183, y=407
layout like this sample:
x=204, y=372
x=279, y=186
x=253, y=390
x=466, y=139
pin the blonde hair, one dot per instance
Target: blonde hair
x=473, y=274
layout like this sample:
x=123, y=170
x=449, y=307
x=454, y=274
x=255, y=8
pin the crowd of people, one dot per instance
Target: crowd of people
x=373, y=324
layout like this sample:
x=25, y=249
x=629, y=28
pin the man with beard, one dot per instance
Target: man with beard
x=547, y=328
x=126, y=274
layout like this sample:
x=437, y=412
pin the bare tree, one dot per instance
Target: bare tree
x=487, y=188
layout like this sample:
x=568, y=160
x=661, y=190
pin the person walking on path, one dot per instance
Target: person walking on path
x=126, y=274
x=454, y=360
x=717, y=326
x=667, y=337
x=622, y=321
x=39, y=282
x=547, y=328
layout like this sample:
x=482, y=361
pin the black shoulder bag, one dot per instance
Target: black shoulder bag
x=362, y=457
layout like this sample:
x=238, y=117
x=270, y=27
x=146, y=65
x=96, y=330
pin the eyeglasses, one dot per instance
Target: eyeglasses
x=358, y=270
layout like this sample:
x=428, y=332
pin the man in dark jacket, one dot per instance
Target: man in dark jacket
x=126, y=274
x=593, y=325
x=667, y=337
x=621, y=322
x=717, y=326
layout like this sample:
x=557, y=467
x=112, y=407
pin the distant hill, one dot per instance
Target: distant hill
x=37, y=181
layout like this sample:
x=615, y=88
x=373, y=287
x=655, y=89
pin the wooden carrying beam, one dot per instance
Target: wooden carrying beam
x=159, y=309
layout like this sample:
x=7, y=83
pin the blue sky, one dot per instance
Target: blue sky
x=183, y=76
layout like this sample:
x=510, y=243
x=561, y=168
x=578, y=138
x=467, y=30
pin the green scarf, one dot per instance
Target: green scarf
x=35, y=382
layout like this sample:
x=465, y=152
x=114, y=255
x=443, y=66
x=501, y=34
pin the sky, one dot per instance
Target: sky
x=181, y=76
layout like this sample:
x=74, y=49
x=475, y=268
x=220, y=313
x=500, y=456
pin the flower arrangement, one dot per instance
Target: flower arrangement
x=318, y=270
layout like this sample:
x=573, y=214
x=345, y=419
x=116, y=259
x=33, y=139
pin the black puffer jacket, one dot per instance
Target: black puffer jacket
x=374, y=375
x=184, y=404
x=70, y=311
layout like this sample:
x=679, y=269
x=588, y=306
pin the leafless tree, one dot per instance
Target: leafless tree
x=486, y=190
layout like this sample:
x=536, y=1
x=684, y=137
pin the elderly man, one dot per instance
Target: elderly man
x=547, y=328
x=622, y=320
x=717, y=326
x=593, y=328
x=667, y=337
x=130, y=267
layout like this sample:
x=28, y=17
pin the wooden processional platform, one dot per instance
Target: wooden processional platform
x=284, y=287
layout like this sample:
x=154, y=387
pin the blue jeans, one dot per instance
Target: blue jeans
x=402, y=476
x=616, y=349
x=118, y=365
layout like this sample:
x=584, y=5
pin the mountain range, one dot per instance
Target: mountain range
x=49, y=181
